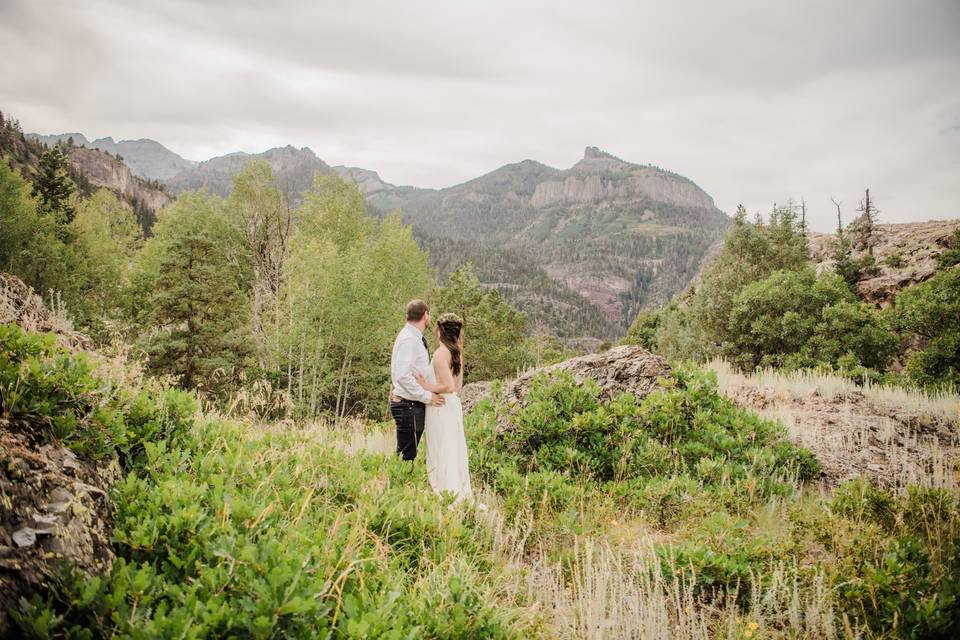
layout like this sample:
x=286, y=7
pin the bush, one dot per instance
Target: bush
x=932, y=311
x=906, y=578
x=54, y=394
x=796, y=318
x=566, y=443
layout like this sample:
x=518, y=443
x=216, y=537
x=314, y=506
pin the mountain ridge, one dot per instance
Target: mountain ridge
x=613, y=236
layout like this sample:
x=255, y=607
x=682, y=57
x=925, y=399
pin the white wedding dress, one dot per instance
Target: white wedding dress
x=447, y=465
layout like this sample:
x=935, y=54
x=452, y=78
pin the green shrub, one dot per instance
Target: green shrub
x=655, y=454
x=931, y=310
x=902, y=575
x=895, y=260
x=55, y=394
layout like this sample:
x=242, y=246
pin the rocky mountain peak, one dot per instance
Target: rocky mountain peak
x=592, y=153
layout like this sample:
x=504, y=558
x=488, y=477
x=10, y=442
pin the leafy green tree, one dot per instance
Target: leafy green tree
x=344, y=287
x=53, y=187
x=493, y=330
x=29, y=246
x=931, y=310
x=190, y=295
x=797, y=313
x=106, y=239
x=265, y=224
x=751, y=251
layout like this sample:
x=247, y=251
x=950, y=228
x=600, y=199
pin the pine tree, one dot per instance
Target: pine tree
x=53, y=186
x=190, y=295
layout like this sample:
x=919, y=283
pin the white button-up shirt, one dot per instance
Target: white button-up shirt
x=409, y=356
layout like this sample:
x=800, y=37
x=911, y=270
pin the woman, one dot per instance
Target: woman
x=443, y=429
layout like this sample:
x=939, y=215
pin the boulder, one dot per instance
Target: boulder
x=626, y=368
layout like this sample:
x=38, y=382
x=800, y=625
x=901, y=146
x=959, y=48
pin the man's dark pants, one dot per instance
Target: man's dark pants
x=409, y=416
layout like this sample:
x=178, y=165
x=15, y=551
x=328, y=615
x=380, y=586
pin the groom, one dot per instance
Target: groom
x=408, y=399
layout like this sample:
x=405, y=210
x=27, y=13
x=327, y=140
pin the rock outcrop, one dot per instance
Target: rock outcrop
x=627, y=368
x=906, y=254
x=105, y=171
x=20, y=305
x=55, y=504
x=146, y=158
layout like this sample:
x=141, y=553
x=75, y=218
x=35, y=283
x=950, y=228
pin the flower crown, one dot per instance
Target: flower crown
x=450, y=318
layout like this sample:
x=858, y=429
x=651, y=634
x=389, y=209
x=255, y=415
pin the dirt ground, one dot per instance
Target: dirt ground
x=891, y=436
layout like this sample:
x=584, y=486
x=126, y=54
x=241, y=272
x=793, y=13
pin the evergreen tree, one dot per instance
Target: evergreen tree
x=190, y=295
x=53, y=187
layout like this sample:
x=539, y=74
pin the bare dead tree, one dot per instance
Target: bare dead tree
x=839, y=220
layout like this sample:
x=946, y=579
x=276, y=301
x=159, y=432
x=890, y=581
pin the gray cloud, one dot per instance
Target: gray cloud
x=755, y=101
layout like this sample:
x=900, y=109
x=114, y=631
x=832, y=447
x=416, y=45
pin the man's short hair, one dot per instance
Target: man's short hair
x=416, y=309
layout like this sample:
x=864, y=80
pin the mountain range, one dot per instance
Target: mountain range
x=580, y=250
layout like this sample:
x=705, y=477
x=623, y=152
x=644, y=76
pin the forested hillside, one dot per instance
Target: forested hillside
x=624, y=236
x=245, y=298
x=88, y=168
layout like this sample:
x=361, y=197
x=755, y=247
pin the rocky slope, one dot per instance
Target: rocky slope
x=90, y=169
x=906, y=254
x=105, y=171
x=146, y=158
x=892, y=436
x=626, y=368
x=55, y=504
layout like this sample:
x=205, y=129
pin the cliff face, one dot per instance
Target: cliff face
x=601, y=177
x=146, y=158
x=906, y=254
x=102, y=170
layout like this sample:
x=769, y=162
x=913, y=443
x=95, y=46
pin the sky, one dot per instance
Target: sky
x=757, y=102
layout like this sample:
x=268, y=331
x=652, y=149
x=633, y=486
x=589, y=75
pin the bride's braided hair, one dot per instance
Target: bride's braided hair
x=450, y=333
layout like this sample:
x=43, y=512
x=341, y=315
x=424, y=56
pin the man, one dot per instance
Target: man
x=408, y=400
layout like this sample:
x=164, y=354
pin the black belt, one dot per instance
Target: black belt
x=403, y=402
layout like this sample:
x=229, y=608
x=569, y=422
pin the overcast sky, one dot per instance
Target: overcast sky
x=756, y=102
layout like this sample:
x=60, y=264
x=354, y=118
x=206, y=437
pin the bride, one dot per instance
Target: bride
x=443, y=428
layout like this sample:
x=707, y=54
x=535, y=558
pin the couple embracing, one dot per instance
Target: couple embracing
x=424, y=400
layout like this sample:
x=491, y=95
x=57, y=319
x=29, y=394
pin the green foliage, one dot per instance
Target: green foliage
x=29, y=245
x=906, y=581
x=239, y=533
x=54, y=393
x=814, y=319
x=53, y=187
x=895, y=260
x=931, y=310
x=347, y=280
x=696, y=326
x=566, y=441
x=493, y=330
x=950, y=257
x=106, y=239
x=189, y=295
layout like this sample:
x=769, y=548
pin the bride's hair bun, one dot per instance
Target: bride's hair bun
x=450, y=318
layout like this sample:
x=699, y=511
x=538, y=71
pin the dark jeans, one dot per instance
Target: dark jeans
x=409, y=416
